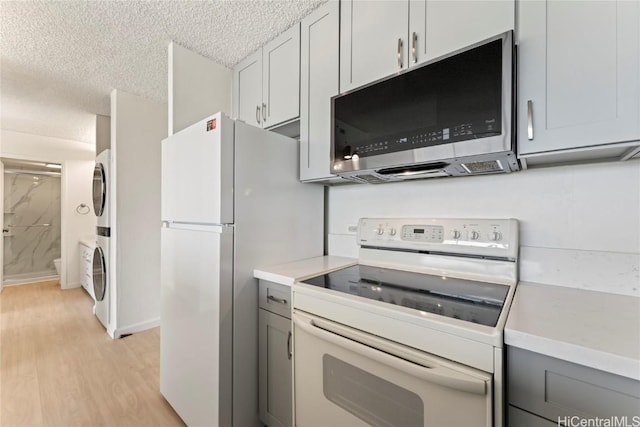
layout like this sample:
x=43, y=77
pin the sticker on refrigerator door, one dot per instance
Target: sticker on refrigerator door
x=211, y=124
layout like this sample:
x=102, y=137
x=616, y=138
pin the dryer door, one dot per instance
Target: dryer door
x=99, y=274
x=99, y=189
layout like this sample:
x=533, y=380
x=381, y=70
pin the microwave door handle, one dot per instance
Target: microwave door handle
x=435, y=374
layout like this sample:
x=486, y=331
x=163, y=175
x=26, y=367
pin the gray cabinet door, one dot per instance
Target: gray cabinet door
x=247, y=89
x=578, y=74
x=319, y=82
x=281, y=78
x=519, y=418
x=437, y=27
x=373, y=41
x=275, y=380
x=556, y=389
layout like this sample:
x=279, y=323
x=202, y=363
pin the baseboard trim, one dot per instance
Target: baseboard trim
x=138, y=327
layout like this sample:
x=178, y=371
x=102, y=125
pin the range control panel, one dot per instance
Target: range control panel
x=476, y=237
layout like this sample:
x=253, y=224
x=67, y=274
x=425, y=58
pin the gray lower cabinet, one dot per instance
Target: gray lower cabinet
x=542, y=388
x=275, y=355
x=519, y=418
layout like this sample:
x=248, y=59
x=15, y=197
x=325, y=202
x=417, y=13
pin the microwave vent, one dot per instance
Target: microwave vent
x=490, y=166
x=366, y=179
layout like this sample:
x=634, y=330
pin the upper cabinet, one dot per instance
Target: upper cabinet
x=379, y=38
x=578, y=79
x=266, y=85
x=318, y=83
x=439, y=27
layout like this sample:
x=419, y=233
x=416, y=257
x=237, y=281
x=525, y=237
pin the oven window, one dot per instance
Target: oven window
x=374, y=400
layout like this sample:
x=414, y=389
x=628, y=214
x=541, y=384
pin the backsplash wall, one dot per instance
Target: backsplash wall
x=579, y=225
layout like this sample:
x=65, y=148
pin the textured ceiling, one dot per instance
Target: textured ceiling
x=61, y=59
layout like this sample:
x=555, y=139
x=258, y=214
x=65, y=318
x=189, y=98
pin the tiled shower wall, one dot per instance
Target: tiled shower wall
x=32, y=221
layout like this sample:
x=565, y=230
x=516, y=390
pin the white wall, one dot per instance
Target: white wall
x=77, y=178
x=137, y=129
x=198, y=87
x=76, y=157
x=579, y=225
x=25, y=146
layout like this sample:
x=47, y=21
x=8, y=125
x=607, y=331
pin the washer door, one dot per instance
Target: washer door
x=99, y=274
x=99, y=189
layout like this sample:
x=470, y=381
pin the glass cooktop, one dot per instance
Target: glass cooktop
x=476, y=302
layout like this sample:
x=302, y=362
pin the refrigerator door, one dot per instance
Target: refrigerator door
x=196, y=322
x=197, y=173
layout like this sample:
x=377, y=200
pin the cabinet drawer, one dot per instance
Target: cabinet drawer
x=275, y=298
x=555, y=388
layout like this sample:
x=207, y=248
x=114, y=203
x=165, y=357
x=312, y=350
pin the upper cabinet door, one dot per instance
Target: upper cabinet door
x=281, y=78
x=373, y=40
x=247, y=89
x=318, y=83
x=442, y=26
x=578, y=74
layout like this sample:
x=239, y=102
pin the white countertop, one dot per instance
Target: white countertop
x=88, y=241
x=286, y=274
x=593, y=329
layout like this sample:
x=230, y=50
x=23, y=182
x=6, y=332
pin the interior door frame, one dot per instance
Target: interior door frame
x=63, y=243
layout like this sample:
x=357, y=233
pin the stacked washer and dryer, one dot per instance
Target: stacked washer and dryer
x=101, y=198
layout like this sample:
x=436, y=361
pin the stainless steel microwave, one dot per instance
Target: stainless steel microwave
x=452, y=116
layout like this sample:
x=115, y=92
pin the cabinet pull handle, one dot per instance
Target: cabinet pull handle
x=278, y=300
x=414, y=46
x=530, y=120
x=400, y=53
x=289, y=346
x=264, y=112
x=258, y=114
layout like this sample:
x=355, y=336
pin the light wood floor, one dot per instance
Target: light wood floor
x=58, y=366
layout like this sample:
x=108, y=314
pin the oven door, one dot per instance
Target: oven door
x=345, y=377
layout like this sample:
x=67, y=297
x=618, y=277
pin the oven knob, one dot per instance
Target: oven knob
x=380, y=231
x=475, y=235
x=455, y=234
x=391, y=231
x=495, y=236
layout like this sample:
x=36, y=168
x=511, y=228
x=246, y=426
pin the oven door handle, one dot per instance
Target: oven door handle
x=367, y=346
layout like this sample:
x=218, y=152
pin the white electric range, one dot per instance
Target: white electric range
x=412, y=335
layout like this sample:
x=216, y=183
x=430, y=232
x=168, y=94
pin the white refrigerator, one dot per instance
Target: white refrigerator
x=231, y=202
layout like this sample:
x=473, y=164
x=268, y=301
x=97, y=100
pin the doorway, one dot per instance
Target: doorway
x=31, y=221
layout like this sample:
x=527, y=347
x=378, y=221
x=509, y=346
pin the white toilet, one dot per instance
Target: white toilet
x=56, y=262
